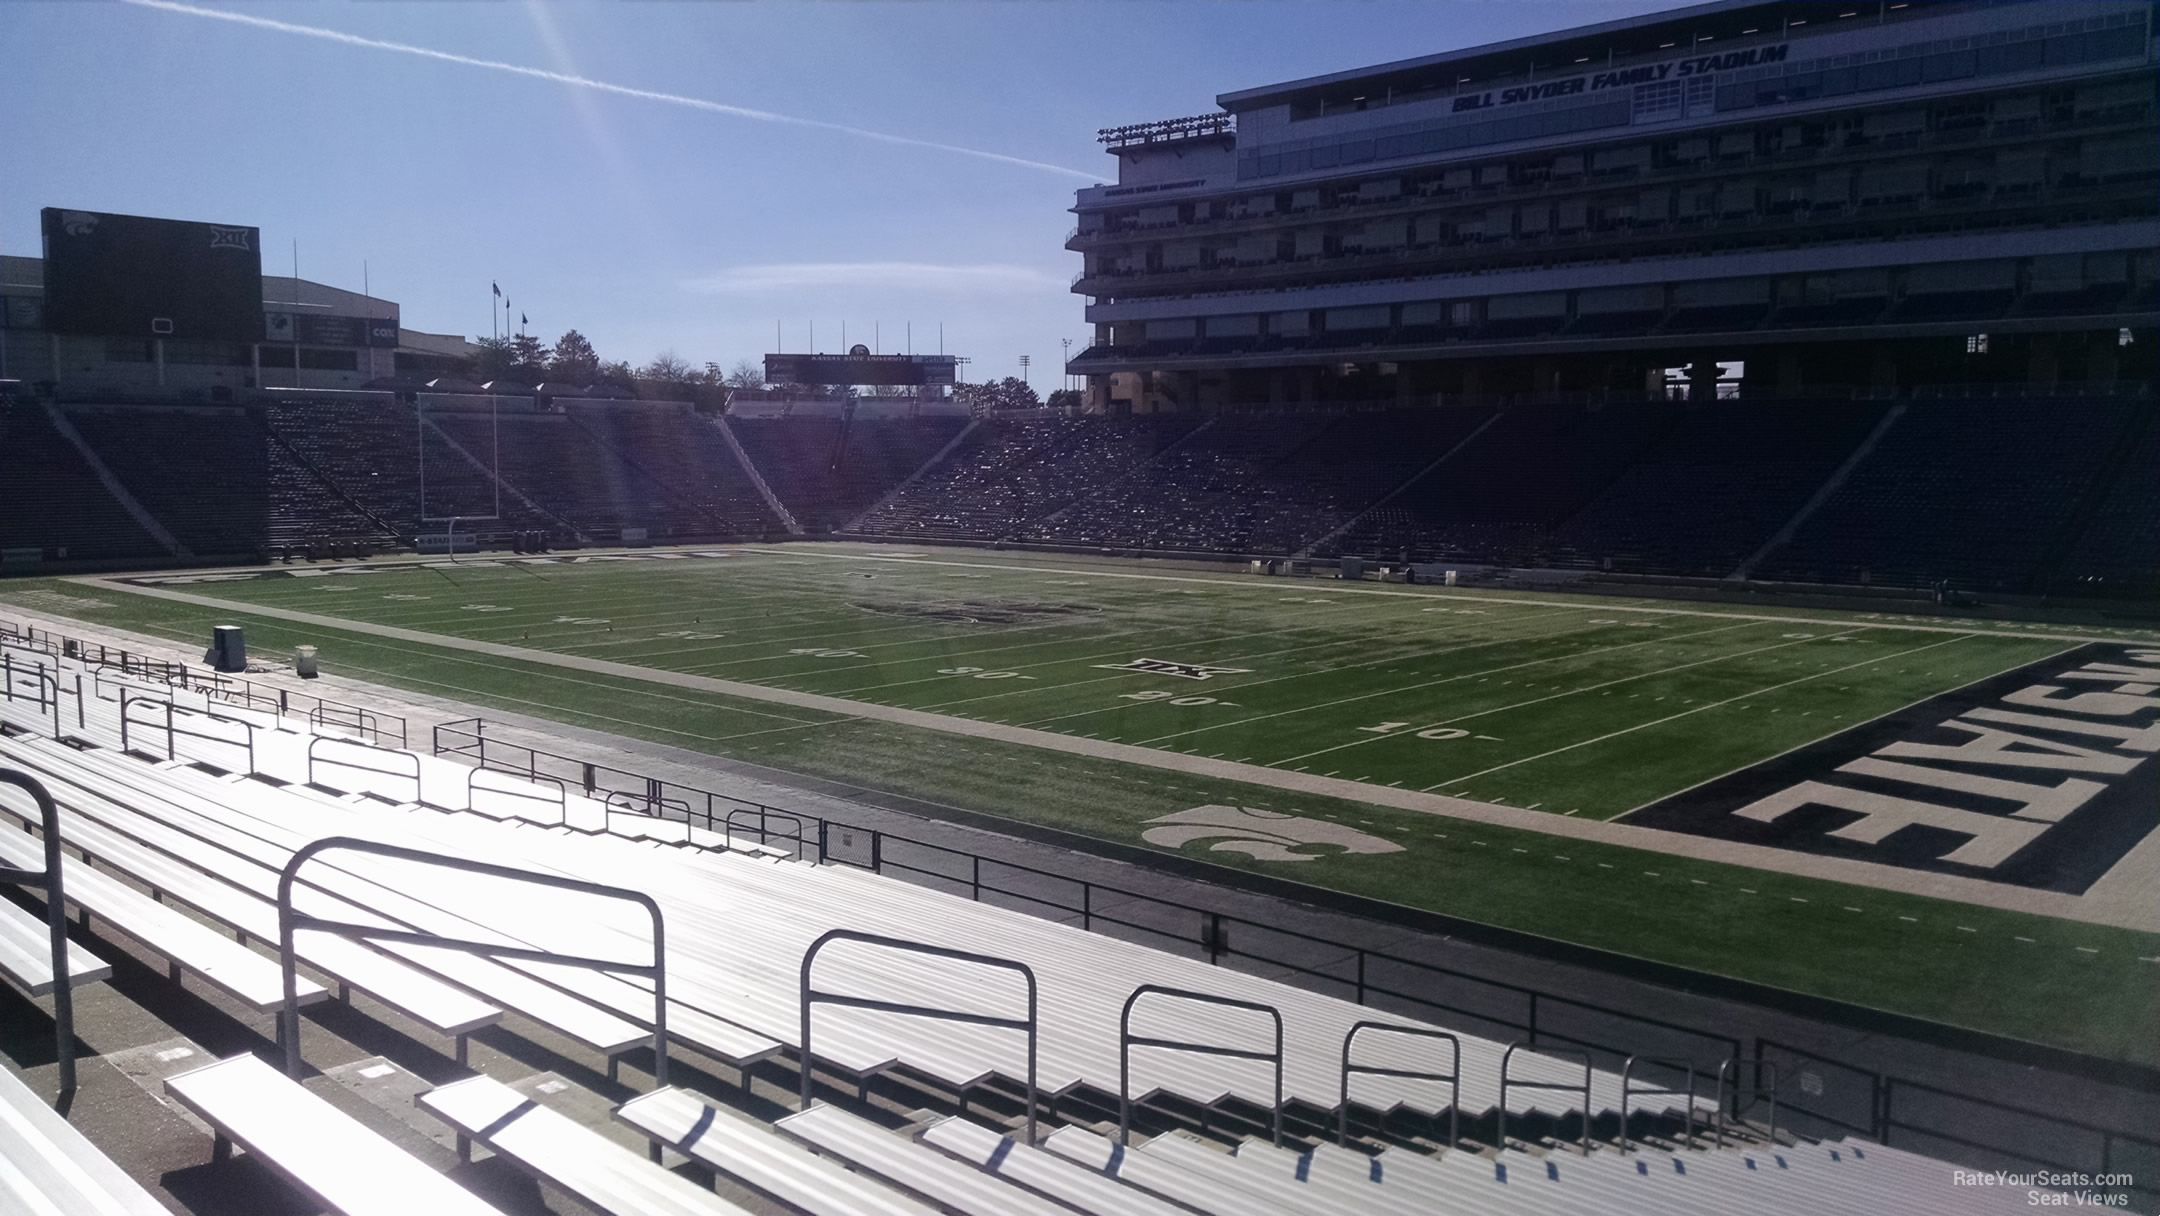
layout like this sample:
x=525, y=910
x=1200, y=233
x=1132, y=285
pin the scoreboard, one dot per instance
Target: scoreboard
x=127, y=276
x=861, y=368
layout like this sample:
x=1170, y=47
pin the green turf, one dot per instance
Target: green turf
x=1573, y=706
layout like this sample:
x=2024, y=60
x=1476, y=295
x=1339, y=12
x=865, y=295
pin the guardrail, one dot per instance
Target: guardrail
x=374, y=725
x=1507, y=1080
x=1453, y=1076
x=1127, y=1040
x=291, y=921
x=810, y=996
x=174, y=732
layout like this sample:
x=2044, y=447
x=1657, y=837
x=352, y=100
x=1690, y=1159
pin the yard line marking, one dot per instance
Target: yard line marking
x=2086, y=950
x=1921, y=700
x=1913, y=919
x=2028, y=941
x=1698, y=709
x=1555, y=695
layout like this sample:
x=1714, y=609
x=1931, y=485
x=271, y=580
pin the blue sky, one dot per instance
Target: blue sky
x=653, y=225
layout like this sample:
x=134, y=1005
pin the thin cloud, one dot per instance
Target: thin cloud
x=602, y=86
x=911, y=276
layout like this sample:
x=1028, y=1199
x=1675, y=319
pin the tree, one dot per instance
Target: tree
x=573, y=361
x=668, y=367
x=1011, y=393
x=528, y=359
x=619, y=377
x=745, y=374
x=712, y=375
x=1065, y=399
x=494, y=359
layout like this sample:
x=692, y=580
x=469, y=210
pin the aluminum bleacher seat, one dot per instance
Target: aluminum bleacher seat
x=317, y=1148
x=912, y=1167
x=751, y=1154
x=185, y=943
x=599, y=1172
x=47, y=1168
x=1158, y=1176
x=1043, y=1172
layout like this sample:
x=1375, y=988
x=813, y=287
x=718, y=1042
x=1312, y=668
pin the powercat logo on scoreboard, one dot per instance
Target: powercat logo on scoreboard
x=1183, y=671
x=2042, y=777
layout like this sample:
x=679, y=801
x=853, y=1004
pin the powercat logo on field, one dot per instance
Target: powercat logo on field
x=1262, y=835
x=2043, y=777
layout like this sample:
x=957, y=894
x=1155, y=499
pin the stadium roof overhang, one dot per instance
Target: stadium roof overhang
x=1693, y=341
x=1651, y=32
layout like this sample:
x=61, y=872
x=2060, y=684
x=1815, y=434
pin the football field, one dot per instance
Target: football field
x=1419, y=744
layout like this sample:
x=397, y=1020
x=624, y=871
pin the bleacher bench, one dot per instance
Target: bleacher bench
x=47, y=1168
x=186, y=944
x=26, y=954
x=319, y=1149
x=575, y=1158
x=751, y=1154
x=1066, y=1181
x=912, y=1166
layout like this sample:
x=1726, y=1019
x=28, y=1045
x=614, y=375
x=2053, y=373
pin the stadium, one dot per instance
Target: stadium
x=1588, y=645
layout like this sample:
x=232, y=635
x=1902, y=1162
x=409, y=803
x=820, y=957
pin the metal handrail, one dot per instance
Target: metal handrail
x=291, y=921
x=631, y=802
x=43, y=677
x=1628, y=1090
x=1453, y=1075
x=1127, y=1040
x=561, y=800
x=810, y=997
x=49, y=880
x=173, y=731
x=727, y=826
x=319, y=740
x=1508, y=1057
x=1757, y=1090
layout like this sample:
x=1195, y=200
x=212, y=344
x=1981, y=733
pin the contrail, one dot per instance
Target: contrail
x=602, y=86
